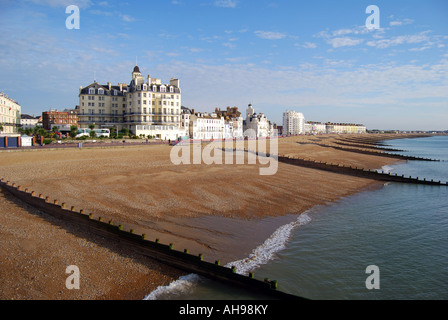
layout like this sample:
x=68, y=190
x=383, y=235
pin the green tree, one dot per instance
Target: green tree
x=73, y=131
x=55, y=129
x=125, y=131
x=42, y=132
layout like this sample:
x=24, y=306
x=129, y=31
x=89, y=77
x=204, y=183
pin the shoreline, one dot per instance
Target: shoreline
x=218, y=235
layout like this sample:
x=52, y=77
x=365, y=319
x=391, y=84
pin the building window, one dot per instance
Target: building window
x=171, y=89
x=91, y=90
x=145, y=88
x=100, y=91
x=154, y=88
x=115, y=92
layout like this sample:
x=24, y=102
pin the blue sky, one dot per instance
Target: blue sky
x=314, y=57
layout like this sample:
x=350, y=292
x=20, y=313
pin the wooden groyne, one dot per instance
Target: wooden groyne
x=358, y=172
x=356, y=145
x=141, y=244
x=376, y=153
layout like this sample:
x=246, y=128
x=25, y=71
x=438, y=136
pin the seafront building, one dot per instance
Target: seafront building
x=345, y=128
x=10, y=114
x=206, y=126
x=315, y=127
x=257, y=125
x=293, y=123
x=29, y=122
x=148, y=108
x=63, y=120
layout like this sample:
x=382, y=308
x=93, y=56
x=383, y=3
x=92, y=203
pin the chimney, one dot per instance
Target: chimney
x=121, y=87
x=148, y=79
x=174, y=82
x=109, y=84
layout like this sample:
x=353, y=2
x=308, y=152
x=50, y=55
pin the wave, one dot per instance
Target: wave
x=181, y=286
x=259, y=256
x=386, y=169
x=266, y=252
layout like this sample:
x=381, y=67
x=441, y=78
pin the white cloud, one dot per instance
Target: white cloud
x=420, y=48
x=229, y=45
x=344, y=42
x=127, y=18
x=401, y=22
x=63, y=3
x=226, y=3
x=399, y=40
x=309, y=45
x=355, y=87
x=269, y=35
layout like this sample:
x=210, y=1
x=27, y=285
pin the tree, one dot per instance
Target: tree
x=36, y=129
x=1, y=127
x=42, y=132
x=73, y=131
x=55, y=129
x=125, y=131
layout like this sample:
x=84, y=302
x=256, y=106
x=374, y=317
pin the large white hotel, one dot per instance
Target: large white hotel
x=144, y=107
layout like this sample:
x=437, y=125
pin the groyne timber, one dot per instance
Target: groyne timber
x=141, y=244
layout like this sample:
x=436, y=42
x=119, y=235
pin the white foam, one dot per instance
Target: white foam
x=259, y=256
x=181, y=286
x=386, y=169
x=266, y=252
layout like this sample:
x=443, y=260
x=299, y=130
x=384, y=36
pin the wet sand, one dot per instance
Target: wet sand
x=222, y=211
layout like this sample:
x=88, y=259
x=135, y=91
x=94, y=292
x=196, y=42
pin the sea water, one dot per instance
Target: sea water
x=402, y=229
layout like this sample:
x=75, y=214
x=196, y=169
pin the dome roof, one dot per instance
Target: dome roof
x=136, y=69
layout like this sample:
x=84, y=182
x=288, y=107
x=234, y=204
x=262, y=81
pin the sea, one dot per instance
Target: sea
x=390, y=243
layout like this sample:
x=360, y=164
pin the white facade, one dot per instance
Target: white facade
x=10, y=112
x=293, y=123
x=206, y=127
x=237, y=127
x=28, y=122
x=345, y=128
x=257, y=125
x=315, y=128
